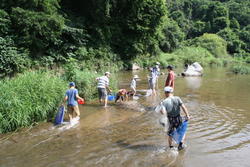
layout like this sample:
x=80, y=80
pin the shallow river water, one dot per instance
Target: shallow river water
x=129, y=135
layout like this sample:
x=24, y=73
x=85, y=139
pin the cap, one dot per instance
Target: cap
x=157, y=63
x=168, y=89
x=170, y=67
x=107, y=73
x=136, y=76
x=72, y=84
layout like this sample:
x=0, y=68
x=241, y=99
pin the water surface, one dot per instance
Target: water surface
x=130, y=135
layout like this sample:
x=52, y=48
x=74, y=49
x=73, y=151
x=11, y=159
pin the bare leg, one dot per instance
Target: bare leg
x=170, y=141
x=105, y=102
x=70, y=116
x=100, y=101
x=77, y=112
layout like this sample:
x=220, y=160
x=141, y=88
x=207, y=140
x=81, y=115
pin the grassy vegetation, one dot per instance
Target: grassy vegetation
x=28, y=98
x=240, y=68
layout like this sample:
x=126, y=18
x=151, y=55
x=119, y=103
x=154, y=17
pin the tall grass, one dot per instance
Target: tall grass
x=28, y=98
x=240, y=68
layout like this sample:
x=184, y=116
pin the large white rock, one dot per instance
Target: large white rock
x=135, y=67
x=194, y=69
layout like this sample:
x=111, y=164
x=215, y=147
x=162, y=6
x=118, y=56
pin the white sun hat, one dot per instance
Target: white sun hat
x=168, y=89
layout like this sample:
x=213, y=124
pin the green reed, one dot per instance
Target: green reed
x=28, y=98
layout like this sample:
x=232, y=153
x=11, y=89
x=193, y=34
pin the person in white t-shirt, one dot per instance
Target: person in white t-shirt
x=103, y=87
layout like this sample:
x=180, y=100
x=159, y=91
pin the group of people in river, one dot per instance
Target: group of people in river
x=172, y=105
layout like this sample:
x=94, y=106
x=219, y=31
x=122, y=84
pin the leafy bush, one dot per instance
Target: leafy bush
x=28, y=98
x=5, y=23
x=213, y=43
x=36, y=30
x=12, y=60
x=190, y=55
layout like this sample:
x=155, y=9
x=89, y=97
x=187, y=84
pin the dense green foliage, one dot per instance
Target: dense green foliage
x=104, y=33
x=29, y=98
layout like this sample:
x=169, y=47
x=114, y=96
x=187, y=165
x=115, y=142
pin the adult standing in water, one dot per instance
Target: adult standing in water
x=156, y=71
x=103, y=88
x=170, y=77
x=173, y=105
x=71, y=97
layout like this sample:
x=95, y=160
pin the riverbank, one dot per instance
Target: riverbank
x=35, y=96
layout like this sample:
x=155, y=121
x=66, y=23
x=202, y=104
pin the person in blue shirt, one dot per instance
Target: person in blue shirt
x=71, y=97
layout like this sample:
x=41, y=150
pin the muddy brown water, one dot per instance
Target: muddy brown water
x=130, y=135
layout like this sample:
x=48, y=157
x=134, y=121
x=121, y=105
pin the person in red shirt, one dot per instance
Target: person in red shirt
x=170, y=78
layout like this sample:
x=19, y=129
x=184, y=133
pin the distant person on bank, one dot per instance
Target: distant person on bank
x=172, y=106
x=133, y=84
x=170, y=77
x=71, y=97
x=103, y=88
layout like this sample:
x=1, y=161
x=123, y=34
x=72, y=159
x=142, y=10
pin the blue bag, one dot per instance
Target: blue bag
x=59, y=115
x=179, y=133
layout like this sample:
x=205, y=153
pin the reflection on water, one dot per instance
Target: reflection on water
x=128, y=134
x=193, y=82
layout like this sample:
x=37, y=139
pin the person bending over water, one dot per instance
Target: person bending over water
x=122, y=95
x=71, y=97
x=173, y=105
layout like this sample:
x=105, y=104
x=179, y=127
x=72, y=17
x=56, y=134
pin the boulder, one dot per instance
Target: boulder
x=135, y=67
x=194, y=69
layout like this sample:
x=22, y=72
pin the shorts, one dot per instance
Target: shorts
x=102, y=92
x=71, y=109
x=152, y=84
x=174, y=122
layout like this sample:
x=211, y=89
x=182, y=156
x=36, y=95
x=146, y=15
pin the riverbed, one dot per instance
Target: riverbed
x=129, y=135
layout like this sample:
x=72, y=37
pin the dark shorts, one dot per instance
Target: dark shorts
x=174, y=122
x=102, y=93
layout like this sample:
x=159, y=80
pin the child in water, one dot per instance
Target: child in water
x=121, y=95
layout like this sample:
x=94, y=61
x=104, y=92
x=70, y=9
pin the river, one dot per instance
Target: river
x=129, y=135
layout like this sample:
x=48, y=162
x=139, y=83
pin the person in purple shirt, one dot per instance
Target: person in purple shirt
x=71, y=97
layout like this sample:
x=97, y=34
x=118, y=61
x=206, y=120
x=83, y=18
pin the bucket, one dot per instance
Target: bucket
x=80, y=101
x=111, y=97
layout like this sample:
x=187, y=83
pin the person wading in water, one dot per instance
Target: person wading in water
x=71, y=97
x=103, y=87
x=170, y=78
x=173, y=105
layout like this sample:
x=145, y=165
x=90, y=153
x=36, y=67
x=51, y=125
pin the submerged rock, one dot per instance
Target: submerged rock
x=194, y=69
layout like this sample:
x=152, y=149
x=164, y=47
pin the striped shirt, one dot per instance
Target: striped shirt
x=103, y=82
